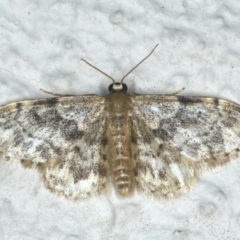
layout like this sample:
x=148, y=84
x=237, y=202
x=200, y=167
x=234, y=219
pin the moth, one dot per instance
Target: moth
x=156, y=144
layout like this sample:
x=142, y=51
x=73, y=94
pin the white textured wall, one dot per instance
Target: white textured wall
x=41, y=44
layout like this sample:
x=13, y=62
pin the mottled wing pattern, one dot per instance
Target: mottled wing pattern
x=179, y=137
x=61, y=137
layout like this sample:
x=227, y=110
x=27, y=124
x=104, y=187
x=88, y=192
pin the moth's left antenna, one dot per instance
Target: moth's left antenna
x=99, y=70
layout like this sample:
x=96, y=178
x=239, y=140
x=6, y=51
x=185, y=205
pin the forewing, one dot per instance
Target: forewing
x=179, y=137
x=61, y=137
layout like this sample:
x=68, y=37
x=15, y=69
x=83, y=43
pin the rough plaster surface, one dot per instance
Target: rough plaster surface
x=41, y=45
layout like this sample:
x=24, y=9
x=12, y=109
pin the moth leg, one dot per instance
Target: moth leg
x=175, y=93
x=65, y=95
x=168, y=94
x=56, y=94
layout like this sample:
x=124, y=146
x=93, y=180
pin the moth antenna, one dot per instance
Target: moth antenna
x=99, y=70
x=139, y=63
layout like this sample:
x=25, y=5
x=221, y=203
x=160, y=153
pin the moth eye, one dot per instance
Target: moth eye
x=125, y=87
x=110, y=88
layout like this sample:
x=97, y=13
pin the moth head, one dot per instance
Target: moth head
x=119, y=86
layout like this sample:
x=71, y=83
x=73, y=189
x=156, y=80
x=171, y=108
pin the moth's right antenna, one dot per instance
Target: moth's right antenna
x=138, y=64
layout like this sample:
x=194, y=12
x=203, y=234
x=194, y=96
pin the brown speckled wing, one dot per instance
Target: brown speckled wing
x=61, y=137
x=179, y=137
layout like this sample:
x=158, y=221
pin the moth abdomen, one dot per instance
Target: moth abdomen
x=121, y=152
